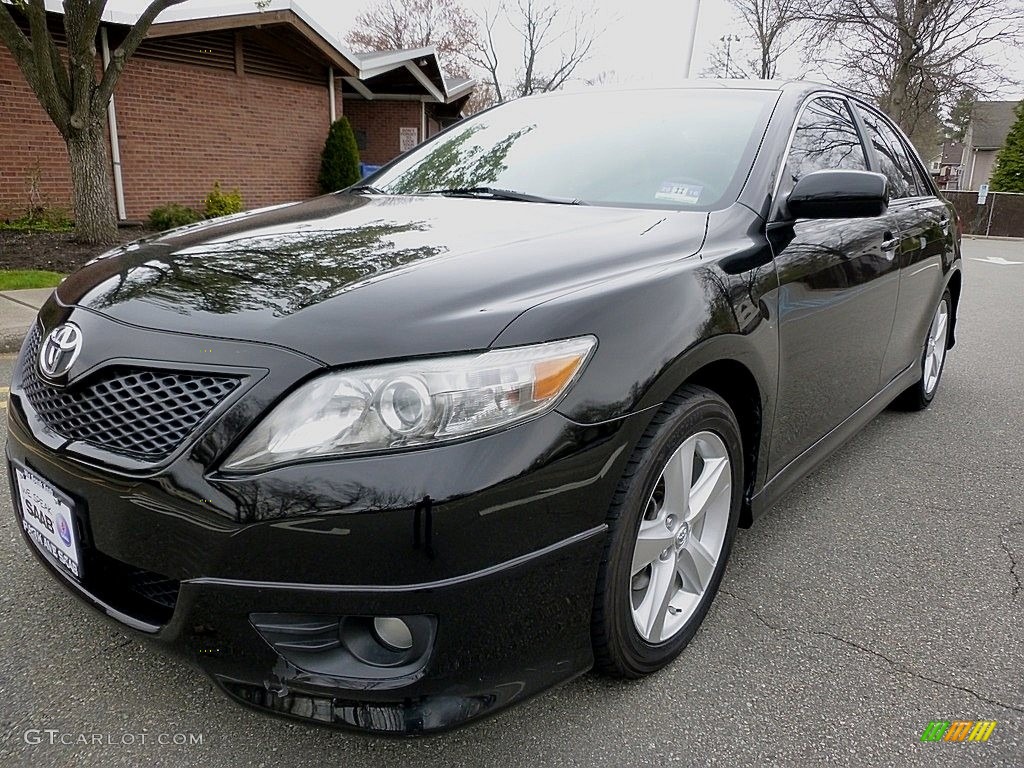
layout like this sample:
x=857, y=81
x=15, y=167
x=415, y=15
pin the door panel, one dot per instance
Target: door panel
x=837, y=299
x=839, y=279
x=924, y=226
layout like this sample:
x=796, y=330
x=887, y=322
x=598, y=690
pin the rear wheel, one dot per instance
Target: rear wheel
x=920, y=395
x=671, y=528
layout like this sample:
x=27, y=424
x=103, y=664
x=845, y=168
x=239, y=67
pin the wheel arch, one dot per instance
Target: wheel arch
x=734, y=383
x=737, y=370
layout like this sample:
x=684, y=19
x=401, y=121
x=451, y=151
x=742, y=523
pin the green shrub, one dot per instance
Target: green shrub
x=1008, y=175
x=220, y=203
x=41, y=219
x=171, y=216
x=339, y=163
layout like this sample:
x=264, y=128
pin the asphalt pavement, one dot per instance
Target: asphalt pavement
x=883, y=592
x=17, y=312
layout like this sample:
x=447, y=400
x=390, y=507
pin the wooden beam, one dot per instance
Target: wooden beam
x=239, y=55
x=423, y=80
x=256, y=19
x=360, y=87
x=328, y=50
x=218, y=23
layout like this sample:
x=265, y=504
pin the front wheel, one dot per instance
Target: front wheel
x=671, y=527
x=920, y=395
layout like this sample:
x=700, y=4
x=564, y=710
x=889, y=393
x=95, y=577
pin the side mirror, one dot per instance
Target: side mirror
x=839, y=194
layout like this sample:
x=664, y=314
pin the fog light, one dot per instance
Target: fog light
x=393, y=633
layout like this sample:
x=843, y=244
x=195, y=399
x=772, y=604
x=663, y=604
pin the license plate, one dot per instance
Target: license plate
x=47, y=516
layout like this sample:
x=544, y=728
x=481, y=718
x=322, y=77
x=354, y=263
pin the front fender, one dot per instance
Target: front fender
x=660, y=327
x=655, y=330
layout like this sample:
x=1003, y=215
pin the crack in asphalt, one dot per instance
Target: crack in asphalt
x=897, y=665
x=1009, y=553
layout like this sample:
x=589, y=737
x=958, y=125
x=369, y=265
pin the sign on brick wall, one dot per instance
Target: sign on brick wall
x=408, y=138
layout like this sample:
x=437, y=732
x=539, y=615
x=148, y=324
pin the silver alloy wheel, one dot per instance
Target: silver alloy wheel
x=935, y=347
x=680, y=537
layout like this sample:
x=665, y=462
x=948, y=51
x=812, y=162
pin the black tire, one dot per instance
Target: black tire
x=619, y=649
x=916, y=397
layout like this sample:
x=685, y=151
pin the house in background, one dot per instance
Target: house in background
x=240, y=96
x=990, y=123
x=947, y=166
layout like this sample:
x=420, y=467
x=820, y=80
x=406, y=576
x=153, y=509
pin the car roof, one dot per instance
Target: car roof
x=796, y=87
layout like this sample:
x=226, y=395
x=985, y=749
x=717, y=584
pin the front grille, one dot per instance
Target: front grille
x=153, y=587
x=142, y=413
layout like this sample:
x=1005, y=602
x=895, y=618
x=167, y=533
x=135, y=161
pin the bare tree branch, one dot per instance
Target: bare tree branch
x=19, y=45
x=914, y=57
x=46, y=77
x=545, y=26
x=773, y=25
x=65, y=85
x=124, y=51
x=397, y=24
x=484, y=52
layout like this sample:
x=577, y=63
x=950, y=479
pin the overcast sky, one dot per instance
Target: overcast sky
x=642, y=41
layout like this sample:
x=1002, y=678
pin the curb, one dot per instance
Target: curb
x=10, y=340
x=992, y=237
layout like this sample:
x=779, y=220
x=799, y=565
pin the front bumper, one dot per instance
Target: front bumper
x=495, y=541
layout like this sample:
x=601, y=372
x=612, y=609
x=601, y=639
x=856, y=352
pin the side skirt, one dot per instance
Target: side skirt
x=807, y=461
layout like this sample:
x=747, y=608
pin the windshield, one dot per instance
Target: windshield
x=681, y=149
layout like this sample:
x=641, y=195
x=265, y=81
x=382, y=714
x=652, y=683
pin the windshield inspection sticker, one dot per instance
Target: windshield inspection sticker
x=676, y=192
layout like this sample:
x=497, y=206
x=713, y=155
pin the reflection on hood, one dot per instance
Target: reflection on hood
x=274, y=270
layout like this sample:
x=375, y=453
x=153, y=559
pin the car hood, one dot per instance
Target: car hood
x=346, y=278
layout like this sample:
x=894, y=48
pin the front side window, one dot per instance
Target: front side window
x=825, y=138
x=667, y=148
x=892, y=156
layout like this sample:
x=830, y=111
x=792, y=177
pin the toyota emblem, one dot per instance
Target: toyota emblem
x=60, y=350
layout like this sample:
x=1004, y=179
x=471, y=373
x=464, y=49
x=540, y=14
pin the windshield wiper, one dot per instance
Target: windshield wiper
x=493, y=193
x=366, y=189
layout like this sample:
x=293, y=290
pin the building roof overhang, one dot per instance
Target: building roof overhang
x=414, y=73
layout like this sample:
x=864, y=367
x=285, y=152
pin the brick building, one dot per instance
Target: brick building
x=244, y=98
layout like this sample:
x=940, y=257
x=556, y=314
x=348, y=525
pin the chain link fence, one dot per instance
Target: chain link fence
x=1001, y=215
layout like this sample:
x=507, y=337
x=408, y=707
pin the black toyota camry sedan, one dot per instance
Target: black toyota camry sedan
x=396, y=457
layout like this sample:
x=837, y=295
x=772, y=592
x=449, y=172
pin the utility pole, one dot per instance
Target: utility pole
x=729, y=40
x=688, y=55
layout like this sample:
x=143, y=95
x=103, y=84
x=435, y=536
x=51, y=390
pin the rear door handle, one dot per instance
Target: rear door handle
x=889, y=242
x=944, y=223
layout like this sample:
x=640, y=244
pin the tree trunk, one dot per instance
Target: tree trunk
x=92, y=183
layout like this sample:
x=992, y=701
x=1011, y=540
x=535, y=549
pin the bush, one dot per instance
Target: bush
x=339, y=163
x=171, y=216
x=41, y=219
x=219, y=203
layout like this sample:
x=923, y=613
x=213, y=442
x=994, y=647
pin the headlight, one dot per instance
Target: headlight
x=419, y=402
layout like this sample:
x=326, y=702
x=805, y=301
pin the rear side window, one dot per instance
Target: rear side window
x=893, y=159
x=923, y=187
x=825, y=137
